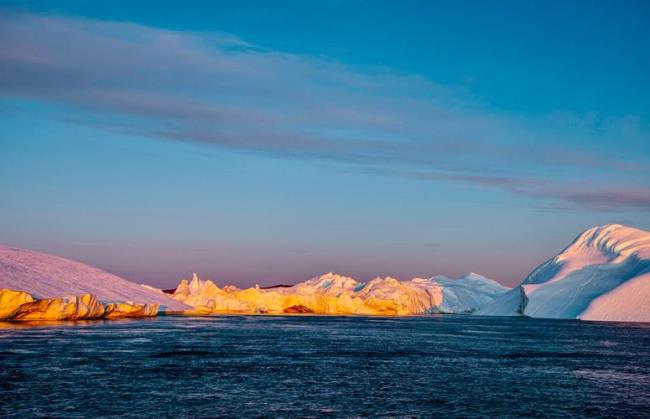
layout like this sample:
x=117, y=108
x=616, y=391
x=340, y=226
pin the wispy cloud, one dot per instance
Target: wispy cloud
x=580, y=194
x=219, y=90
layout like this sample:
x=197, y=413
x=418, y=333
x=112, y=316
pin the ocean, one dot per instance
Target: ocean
x=315, y=366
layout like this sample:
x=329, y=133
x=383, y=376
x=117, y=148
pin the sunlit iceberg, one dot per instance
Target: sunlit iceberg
x=336, y=294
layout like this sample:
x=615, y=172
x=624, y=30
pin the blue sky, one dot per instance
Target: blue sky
x=264, y=142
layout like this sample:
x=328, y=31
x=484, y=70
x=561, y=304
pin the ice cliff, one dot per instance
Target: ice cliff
x=21, y=306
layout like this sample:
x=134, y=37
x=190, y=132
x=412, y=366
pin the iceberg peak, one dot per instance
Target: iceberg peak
x=610, y=240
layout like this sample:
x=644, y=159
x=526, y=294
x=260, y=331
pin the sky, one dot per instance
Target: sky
x=270, y=142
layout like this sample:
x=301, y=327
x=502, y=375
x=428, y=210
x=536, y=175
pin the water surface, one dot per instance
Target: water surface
x=316, y=366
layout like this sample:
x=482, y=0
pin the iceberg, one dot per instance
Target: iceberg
x=603, y=275
x=46, y=276
x=337, y=294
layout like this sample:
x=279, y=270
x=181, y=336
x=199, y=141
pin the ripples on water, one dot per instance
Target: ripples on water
x=334, y=366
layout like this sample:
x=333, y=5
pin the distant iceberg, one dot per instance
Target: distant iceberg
x=336, y=294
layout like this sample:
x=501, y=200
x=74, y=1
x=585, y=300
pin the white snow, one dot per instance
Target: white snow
x=47, y=276
x=604, y=274
x=628, y=302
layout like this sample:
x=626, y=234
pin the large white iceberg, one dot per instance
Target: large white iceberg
x=604, y=274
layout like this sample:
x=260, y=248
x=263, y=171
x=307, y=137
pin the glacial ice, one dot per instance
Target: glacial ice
x=48, y=276
x=604, y=275
x=336, y=294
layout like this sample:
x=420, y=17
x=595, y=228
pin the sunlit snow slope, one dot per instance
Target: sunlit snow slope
x=48, y=276
x=603, y=275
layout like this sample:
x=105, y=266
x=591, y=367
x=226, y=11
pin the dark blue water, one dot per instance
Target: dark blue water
x=326, y=366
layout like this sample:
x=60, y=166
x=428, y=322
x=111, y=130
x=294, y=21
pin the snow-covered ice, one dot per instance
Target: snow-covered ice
x=604, y=274
x=47, y=276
